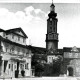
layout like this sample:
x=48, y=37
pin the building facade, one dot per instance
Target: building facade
x=71, y=63
x=14, y=53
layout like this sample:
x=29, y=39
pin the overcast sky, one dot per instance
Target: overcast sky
x=31, y=17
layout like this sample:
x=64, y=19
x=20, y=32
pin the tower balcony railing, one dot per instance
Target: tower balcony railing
x=52, y=37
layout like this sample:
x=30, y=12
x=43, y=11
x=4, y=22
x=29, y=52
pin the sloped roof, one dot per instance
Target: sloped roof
x=38, y=50
x=60, y=51
x=69, y=49
x=39, y=53
x=13, y=43
x=13, y=31
x=1, y=30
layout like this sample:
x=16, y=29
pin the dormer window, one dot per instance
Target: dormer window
x=23, y=40
x=18, y=38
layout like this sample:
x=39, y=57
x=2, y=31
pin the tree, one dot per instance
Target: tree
x=39, y=69
x=53, y=69
x=57, y=65
x=37, y=65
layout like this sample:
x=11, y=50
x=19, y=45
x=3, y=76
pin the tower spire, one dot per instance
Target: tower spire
x=52, y=11
x=52, y=7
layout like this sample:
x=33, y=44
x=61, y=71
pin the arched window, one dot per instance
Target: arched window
x=70, y=69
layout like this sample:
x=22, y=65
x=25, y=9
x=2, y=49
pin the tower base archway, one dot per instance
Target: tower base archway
x=70, y=70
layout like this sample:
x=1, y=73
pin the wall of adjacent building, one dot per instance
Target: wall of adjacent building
x=8, y=51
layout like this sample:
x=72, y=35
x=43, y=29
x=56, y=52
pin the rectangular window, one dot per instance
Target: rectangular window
x=10, y=50
x=21, y=66
x=18, y=38
x=15, y=67
x=13, y=49
x=12, y=67
x=27, y=66
x=23, y=40
x=18, y=51
x=6, y=49
x=9, y=66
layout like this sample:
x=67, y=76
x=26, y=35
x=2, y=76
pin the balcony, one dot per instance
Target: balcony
x=52, y=36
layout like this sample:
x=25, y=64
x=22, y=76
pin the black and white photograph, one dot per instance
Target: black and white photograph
x=39, y=40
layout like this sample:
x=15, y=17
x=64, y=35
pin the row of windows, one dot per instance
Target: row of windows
x=18, y=38
x=12, y=50
x=26, y=66
x=13, y=37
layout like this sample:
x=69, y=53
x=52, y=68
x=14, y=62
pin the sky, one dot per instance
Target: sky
x=32, y=18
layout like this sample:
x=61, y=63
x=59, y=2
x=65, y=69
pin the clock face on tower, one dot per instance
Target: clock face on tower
x=50, y=19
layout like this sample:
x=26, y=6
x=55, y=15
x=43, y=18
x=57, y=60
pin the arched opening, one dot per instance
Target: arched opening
x=70, y=69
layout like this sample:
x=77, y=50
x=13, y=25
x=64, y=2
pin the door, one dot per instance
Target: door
x=70, y=69
x=17, y=65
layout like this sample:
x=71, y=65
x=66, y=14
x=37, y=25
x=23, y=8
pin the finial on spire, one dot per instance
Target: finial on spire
x=52, y=1
x=52, y=7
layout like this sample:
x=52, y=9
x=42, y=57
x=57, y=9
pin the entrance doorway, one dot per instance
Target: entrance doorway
x=17, y=65
x=5, y=65
x=70, y=69
x=17, y=70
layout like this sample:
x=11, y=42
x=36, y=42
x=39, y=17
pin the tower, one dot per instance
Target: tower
x=52, y=35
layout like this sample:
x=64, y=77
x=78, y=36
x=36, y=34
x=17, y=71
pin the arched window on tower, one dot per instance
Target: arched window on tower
x=50, y=22
x=54, y=26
